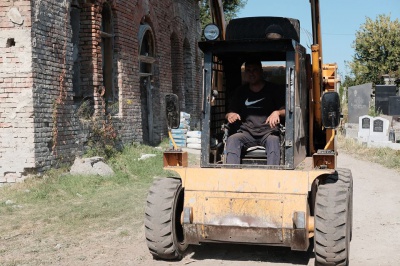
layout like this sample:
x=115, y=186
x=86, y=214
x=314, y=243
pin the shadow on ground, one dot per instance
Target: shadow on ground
x=247, y=253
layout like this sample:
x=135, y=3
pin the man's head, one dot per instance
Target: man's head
x=253, y=63
x=253, y=71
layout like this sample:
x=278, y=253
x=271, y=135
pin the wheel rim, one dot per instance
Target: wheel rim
x=179, y=236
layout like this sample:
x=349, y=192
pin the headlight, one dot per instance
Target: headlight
x=211, y=32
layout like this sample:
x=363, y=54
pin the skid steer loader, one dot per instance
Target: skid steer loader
x=307, y=197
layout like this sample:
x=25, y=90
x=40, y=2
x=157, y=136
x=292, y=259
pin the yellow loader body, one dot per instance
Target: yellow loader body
x=256, y=206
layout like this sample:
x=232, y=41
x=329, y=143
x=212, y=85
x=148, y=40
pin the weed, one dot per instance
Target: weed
x=102, y=141
x=124, y=233
x=85, y=109
x=385, y=156
x=373, y=112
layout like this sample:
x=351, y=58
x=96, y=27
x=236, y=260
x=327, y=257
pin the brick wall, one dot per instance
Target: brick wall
x=16, y=101
x=55, y=125
x=54, y=89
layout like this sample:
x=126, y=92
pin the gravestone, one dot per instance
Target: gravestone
x=359, y=99
x=351, y=130
x=379, y=129
x=382, y=94
x=364, y=127
x=394, y=105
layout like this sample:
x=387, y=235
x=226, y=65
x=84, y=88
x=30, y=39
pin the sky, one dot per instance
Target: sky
x=340, y=20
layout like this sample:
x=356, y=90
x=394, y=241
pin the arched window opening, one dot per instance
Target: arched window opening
x=146, y=55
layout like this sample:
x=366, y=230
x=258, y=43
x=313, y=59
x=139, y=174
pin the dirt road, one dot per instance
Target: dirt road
x=376, y=229
x=375, y=242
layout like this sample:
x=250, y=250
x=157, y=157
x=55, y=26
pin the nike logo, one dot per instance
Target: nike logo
x=247, y=103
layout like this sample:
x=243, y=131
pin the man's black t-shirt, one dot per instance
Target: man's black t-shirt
x=255, y=107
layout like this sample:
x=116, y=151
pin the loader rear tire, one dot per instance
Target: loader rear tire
x=163, y=229
x=333, y=219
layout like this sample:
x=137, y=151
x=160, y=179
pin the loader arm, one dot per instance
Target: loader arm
x=324, y=78
x=217, y=15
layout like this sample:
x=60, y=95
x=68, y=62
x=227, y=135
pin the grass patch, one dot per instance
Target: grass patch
x=385, y=156
x=64, y=203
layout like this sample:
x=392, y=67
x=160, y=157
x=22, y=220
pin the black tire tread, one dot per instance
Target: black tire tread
x=158, y=219
x=332, y=211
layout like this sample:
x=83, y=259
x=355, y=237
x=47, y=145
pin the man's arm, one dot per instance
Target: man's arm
x=274, y=118
x=232, y=117
x=234, y=106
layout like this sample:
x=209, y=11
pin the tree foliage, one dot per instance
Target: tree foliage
x=377, y=51
x=231, y=8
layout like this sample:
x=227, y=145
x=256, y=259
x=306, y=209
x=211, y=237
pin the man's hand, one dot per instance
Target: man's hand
x=232, y=117
x=273, y=119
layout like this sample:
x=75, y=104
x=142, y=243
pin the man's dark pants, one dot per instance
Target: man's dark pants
x=244, y=140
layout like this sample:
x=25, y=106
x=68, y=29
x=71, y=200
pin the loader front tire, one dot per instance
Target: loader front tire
x=333, y=219
x=163, y=229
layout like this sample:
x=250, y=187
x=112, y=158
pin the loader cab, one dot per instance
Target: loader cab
x=285, y=64
x=274, y=73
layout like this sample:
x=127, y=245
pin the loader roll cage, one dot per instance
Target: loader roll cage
x=223, y=62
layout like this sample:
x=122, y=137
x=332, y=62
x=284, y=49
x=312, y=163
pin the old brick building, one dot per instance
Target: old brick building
x=69, y=68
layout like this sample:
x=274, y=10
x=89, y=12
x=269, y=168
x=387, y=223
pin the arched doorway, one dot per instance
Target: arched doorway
x=146, y=61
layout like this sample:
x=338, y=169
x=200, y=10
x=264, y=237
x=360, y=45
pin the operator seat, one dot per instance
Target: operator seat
x=255, y=155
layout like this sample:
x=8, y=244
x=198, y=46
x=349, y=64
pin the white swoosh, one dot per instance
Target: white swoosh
x=247, y=103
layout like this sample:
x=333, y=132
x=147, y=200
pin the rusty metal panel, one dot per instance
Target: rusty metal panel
x=299, y=239
x=325, y=159
x=271, y=236
x=251, y=180
x=175, y=158
x=243, y=212
x=191, y=234
x=296, y=239
x=247, y=205
x=246, y=180
x=258, y=210
x=259, y=218
x=218, y=208
x=292, y=204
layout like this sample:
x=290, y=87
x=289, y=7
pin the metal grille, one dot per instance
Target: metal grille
x=218, y=107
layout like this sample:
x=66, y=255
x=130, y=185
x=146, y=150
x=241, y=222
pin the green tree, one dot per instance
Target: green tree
x=377, y=51
x=231, y=8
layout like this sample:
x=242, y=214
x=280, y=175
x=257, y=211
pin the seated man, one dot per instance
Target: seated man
x=259, y=105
